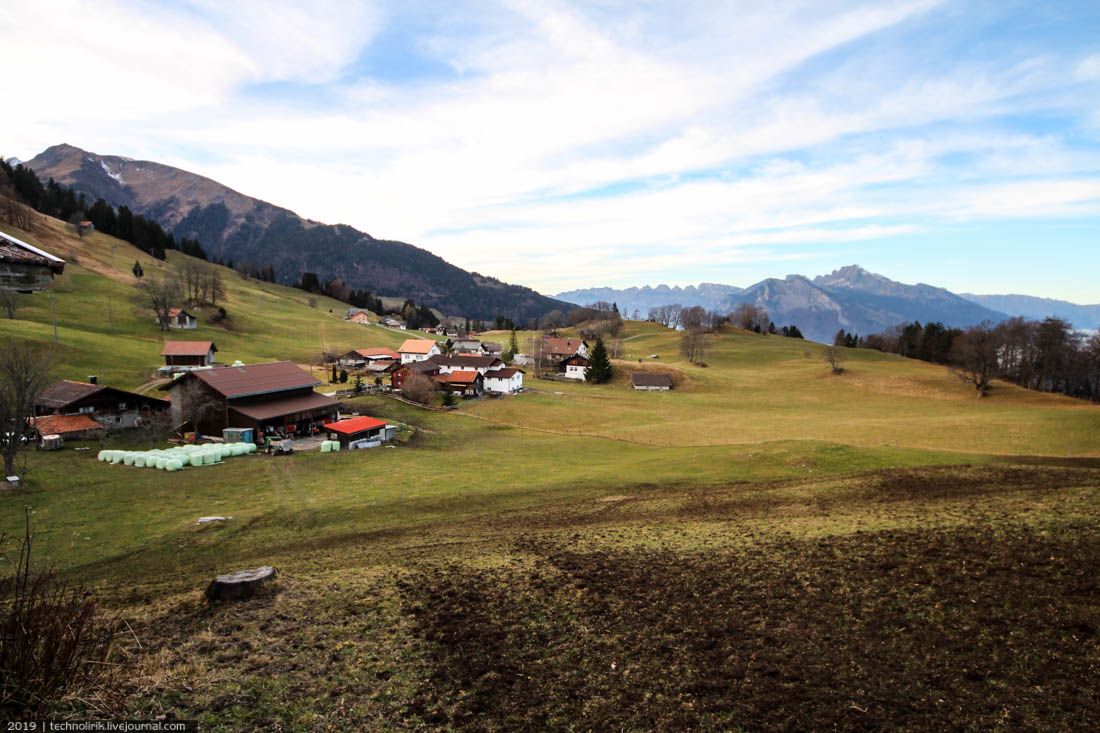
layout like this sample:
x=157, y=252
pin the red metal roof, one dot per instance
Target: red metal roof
x=255, y=379
x=187, y=348
x=65, y=424
x=459, y=377
x=354, y=425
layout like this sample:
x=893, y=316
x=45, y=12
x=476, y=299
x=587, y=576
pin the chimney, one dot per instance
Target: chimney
x=93, y=379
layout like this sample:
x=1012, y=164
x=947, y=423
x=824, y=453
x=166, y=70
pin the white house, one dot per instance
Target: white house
x=576, y=367
x=179, y=318
x=418, y=350
x=504, y=381
x=484, y=365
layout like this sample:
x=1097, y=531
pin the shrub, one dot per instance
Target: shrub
x=53, y=643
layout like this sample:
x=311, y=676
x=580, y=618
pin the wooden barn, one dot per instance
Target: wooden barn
x=109, y=406
x=24, y=268
x=185, y=355
x=274, y=398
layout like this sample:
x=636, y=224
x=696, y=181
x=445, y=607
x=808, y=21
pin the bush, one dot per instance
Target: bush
x=52, y=641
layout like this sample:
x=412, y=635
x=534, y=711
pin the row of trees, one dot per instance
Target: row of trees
x=63, y=202
x=1047, y=355
x=747, y=316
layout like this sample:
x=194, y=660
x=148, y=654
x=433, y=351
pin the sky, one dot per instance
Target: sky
x=566, y=145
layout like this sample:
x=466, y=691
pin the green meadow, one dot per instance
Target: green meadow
x=768, y=546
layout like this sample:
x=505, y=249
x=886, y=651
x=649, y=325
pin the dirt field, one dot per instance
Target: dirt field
x=980, y=612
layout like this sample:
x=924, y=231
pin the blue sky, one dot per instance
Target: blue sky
x=564, y=145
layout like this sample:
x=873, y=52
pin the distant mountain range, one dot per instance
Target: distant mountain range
x=1082, y=316
x=850, y=298
x=233, y=226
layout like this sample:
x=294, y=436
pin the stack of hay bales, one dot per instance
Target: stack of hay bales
x=174, y=459
x=330, y=446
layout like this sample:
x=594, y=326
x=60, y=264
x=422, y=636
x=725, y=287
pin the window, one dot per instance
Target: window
x=87, y=410
x=122, y=405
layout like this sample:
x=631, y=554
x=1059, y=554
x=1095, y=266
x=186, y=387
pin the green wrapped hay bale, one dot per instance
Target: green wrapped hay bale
x=139, y=461
x=335, y=446
x=196, y=459
x=162, y=462
x=210, y=458
x=250, y=448
x=238, y=449
x=326, y=446
x=173, y=465
x=128, y=459
x=101, y=456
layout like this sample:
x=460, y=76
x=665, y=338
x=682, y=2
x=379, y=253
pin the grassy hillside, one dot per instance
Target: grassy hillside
x=768, y=547
x=104, y=328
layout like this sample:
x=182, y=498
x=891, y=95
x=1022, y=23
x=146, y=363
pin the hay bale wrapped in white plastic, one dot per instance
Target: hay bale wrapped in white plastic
x=326, y=446
x=139, y=460
x=117, y=457
x=209, y=458
x=250, y=448
x=128, y=458
x=162, y=462
x=196, y=459
x=238, y=449
x=225, y=450
x=173, y=465
x=101, y=456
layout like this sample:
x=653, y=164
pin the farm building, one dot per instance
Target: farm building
x=179, y=318
x=393, y=323
x=575, y=367
x=185, y=355
x=25, y=268
x=448, y=363
x=360, y=432
x=650, y=382
x=418, y=350
x=69, y=427
x=401, y=373
x=469, y=383
x=107, y=405
x=492, y=348
x=504, y=381
x=358, y=358
x=273, y=398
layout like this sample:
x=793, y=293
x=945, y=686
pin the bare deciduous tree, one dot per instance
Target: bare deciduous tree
x=418, y=388
x=161, y=293
x=834, y=357
x=750, y=317
x=693, y=345
x=197, y=405
x=24, y=374
x=974, y=357
x=156, y=424
x=667, y=315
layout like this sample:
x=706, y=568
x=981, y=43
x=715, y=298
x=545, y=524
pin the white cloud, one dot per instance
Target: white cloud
x=715, y=127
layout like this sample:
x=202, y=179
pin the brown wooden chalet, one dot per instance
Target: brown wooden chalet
x=271, y=398
x=182, y=355
x=109, y=406
x=24, y=268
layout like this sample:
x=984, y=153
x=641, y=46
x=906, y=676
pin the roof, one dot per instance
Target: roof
x=465, y=360
x=417, y=346
x=355, y=425
x=234, y=382
x=471, y=342
x=16, y=250
x=377, y=352
x=577, y=361
x=173, y=312
x=65, y=424
x=66, y=392
x=491, y=346
x=382, y=365
x=504, y=373
x=423, y=367
x=459, y=377
x=561, y=346
x=644, y=379
x=187, y=348
x=286, y=406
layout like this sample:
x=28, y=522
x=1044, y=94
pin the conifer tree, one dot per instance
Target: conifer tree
x=599, y=365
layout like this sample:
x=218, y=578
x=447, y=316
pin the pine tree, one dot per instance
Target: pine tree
x=137, y=269
x=513, y=347
x=599, y=365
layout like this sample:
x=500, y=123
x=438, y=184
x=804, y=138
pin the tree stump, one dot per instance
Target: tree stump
x=239, y=585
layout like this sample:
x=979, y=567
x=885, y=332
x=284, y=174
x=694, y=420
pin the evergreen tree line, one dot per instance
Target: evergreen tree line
x=1047, y=355
x=62, y=202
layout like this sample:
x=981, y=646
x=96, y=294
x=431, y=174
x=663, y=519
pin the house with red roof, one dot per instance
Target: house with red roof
x=468, y=383
x=185, y=355
x=360, y=432
x=418, y=350
x=179, y=318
